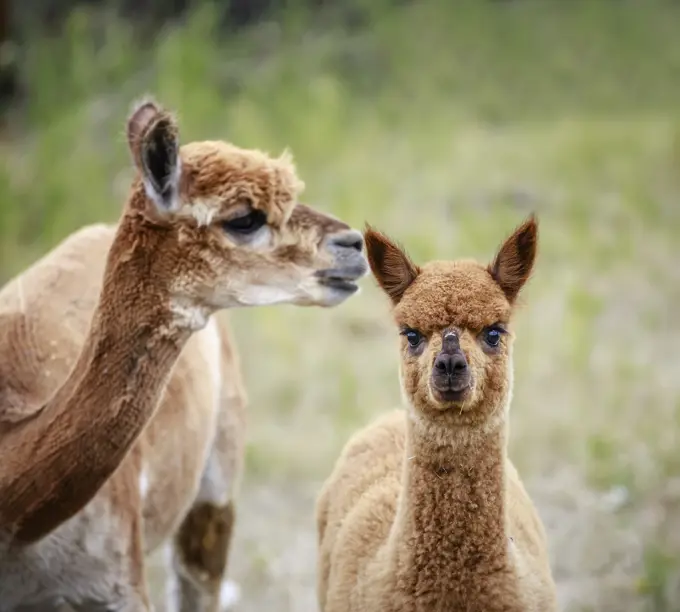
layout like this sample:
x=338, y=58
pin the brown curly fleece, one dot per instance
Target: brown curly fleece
x=423, y=510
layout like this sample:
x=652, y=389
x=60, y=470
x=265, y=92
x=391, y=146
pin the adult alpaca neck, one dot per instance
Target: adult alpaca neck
x=208, y=226
x=451, y=519
x=74, y=444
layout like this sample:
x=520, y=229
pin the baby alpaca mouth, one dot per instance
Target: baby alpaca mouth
x=451, y=389
x=451, y=395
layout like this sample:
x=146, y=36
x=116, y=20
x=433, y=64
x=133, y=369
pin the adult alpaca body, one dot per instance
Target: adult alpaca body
x=121, y=400
x=424, y=510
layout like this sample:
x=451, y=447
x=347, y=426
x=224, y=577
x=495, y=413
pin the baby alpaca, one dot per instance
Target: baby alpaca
x=424, y=510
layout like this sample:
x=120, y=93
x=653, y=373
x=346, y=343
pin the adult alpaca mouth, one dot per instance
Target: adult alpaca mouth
x=343, y=279
x=339, y=283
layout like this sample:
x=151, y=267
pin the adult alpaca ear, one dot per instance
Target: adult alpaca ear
x=391, y=266
x=514, y=261
x=154, y=143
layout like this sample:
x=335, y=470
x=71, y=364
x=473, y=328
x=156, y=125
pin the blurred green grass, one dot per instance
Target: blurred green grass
x=444, y=125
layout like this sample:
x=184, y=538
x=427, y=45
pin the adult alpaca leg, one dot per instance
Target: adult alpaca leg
x=200, y=548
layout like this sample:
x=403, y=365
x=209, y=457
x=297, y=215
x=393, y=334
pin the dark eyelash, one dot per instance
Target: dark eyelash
x=246, y=224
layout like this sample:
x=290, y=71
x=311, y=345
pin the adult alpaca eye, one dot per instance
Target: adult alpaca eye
x=413, y=337
x=492, y=336
x=246, y=224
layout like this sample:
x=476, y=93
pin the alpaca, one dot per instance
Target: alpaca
x=121, y=398
x=423, y=510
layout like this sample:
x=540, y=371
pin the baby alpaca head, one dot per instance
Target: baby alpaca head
x=453, y=318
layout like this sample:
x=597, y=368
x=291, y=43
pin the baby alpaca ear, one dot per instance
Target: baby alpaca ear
x=512, y=265
x=391, y=266
x=153, y=140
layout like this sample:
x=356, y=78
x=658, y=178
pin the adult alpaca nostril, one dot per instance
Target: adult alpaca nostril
x=348, y=239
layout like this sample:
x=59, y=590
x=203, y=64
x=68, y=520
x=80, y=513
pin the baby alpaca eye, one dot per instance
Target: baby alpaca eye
x=413, y=336
x=492, y=335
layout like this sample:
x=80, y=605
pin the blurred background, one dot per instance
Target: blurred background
x=445, y=124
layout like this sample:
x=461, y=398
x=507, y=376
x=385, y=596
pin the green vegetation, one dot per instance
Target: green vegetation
x=444, y=126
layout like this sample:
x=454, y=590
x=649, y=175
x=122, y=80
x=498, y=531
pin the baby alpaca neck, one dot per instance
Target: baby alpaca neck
x=451, y=532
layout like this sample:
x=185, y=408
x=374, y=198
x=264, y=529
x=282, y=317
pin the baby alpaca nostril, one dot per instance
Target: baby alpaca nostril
x=450, y=364
x=441, y=364
x=459, y=364
x=349, y=239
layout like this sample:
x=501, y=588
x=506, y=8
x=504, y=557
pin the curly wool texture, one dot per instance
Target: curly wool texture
x=424, y=511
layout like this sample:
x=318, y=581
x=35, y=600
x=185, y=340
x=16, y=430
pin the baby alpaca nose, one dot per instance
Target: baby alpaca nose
x=450, y=364
x=347, y=239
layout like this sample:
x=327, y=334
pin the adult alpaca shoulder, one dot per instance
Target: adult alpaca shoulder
x=423, y=510
x=121, y=401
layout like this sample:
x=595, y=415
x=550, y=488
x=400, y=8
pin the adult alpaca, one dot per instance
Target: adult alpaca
x=423, y=510
x=121, y=408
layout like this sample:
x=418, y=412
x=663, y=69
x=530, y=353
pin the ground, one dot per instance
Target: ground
x=445, y=128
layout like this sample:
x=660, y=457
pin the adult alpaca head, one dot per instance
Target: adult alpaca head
x=206, y=226
x=228, y=227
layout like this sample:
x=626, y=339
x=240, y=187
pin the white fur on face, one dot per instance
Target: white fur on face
x=203, y=211
x=262, y=239
x=264, y=295
x=306, y=292
x=302, y=292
